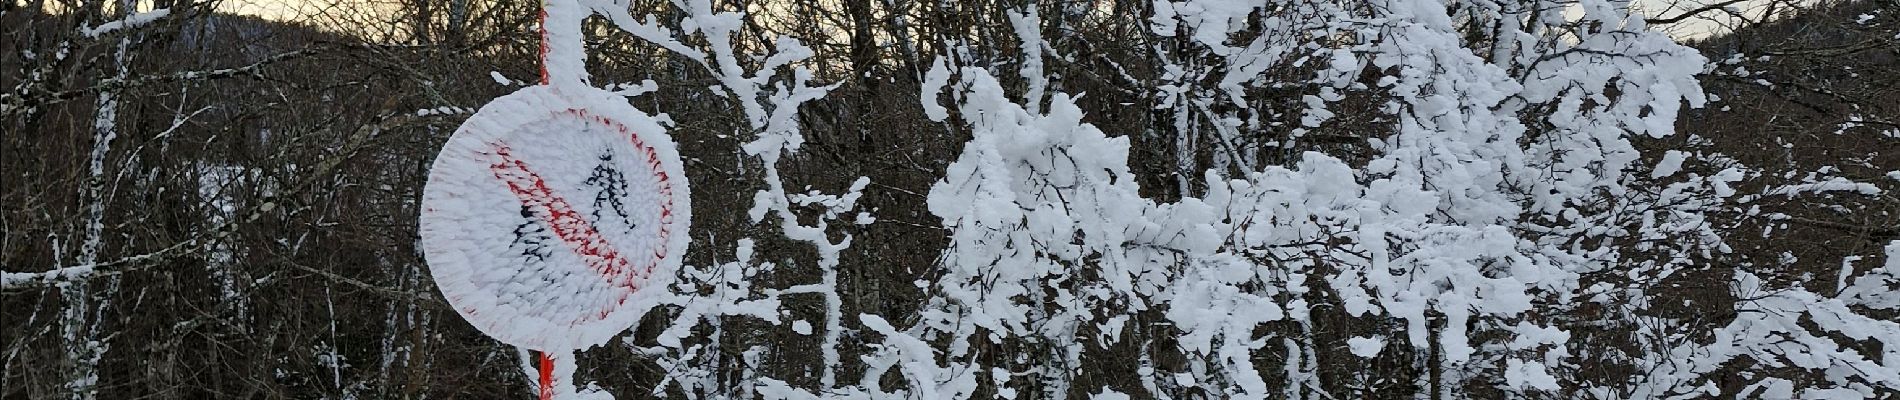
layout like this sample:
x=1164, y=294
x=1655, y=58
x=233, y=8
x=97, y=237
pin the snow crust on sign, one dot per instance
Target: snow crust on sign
x=554, y=217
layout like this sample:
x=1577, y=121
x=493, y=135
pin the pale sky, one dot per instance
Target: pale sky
x=273, y=9
x=1710, y=23
x=329, y=14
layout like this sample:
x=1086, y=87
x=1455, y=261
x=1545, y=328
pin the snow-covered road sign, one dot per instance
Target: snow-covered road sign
x=554, y=217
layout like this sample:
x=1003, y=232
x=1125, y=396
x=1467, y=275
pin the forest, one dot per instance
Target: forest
x=977, y=199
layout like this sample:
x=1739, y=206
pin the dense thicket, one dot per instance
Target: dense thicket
x=976, y=199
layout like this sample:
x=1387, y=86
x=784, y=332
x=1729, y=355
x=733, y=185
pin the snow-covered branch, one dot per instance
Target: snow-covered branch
x=133, y=21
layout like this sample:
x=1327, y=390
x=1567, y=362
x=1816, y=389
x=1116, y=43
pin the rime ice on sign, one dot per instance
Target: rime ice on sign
x=550, y=212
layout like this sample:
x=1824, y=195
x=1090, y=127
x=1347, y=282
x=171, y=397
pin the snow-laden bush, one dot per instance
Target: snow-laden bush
x=1502, y=196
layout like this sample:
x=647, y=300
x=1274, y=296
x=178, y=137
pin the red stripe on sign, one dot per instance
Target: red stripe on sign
x=567, y=224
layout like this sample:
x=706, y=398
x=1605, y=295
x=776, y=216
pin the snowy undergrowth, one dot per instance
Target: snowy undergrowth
x=1506, y=195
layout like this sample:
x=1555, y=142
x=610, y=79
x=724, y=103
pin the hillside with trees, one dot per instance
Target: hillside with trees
x=1195, y=199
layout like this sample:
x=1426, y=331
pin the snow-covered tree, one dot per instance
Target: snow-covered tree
x=902, y=199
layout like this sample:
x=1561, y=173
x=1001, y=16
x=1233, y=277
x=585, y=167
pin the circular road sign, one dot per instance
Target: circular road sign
x=554, y=217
